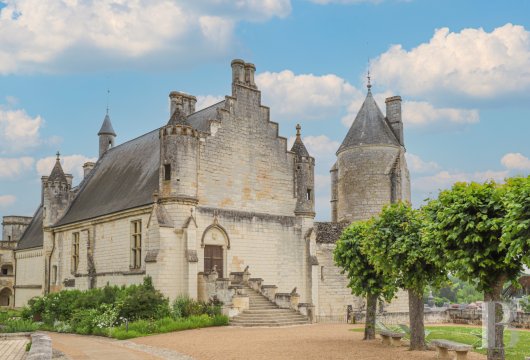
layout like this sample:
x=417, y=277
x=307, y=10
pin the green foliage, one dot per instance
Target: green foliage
x=28, y=346
x=184, y=307
x=456, y=291
x=363, y=278
x=8, y=314
x=525, y=304
x=398, y=248
x=466, y=225
x=516, y=235
x=144, y=302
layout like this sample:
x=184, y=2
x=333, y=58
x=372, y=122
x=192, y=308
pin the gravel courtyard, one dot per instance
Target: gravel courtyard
x=320, y=341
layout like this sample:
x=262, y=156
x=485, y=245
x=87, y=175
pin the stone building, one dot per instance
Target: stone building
x=208, y=200
x=12, y=229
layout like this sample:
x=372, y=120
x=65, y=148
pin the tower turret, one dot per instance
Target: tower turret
x=106, y=136
x=179, y=149
x=304, y=177
x=56, y=193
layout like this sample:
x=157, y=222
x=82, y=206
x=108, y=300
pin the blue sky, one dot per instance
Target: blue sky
x=461, y=67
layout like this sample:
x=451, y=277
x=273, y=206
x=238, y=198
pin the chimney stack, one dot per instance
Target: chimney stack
x=250, y=69
x=238, y=71
x=184, y=102
x=393, y=115
x=87, y=168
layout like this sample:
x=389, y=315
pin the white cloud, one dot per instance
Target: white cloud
x=47, y=36
x=72, y=164
x=417, y=113
x=445, y=179
x=203, y=101
x=472, y=62
x=13, y=167
x=304, y=96
x=326, y=2
x=515, y=161
x=18, y=130
x=7, y=200
x=417, y=165
x=319, y=146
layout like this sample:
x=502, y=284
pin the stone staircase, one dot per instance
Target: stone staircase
x=263, y=312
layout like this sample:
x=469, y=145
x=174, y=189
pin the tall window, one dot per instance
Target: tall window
x=136, y=244
x=75, y=251
x=54, y=274
x=167, y=172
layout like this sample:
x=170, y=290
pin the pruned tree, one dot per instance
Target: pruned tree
x=516, y=227
x=398, y=249
x=364, y=280
x=466, y=225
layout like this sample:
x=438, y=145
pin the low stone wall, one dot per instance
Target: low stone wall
x=438, y=317
x=41, y=347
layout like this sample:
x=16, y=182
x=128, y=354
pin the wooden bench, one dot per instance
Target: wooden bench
x=391, y=337
x=444, y=346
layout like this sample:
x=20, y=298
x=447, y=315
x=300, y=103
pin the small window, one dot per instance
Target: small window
x=4, y=271
x=322, y=273
x=54, y=274
x=308, y=194
x=8, y=237
x=167, y=172
x=75, y=251
x=136, y=244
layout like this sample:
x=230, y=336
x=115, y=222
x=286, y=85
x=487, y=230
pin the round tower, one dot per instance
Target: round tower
x=106, y=136
x=371, y=169
x=179, y=149
x=304, y=177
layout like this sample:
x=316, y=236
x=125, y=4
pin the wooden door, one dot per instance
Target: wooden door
x=213, y=256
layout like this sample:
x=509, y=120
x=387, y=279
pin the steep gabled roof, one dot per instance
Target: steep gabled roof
x=298, y=146
x=124, y=178
x=106, y=127
x=33, y=237
x=369, y=127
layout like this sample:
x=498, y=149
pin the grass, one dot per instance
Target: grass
x=18, y=325
x=515, y=350
x=165, y=325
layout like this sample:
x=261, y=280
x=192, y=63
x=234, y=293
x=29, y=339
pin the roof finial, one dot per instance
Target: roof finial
x=298, y=130
x=369, y=86
x=108, y=96
x=58, y=155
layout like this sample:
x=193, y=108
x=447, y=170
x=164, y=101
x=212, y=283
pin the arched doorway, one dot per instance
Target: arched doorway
x=5, y=297
x=215, y=242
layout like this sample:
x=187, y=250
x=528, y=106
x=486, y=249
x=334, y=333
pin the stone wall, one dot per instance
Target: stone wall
x=14, y=227
x=30, y=273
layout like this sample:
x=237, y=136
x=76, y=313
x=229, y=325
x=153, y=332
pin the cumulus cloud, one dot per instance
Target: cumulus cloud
x=45, y=36
x=417, y=113
x=318, y=146
x=445, y=179
x=72, y=164
x=304, y=96
x=203, y=101
x=13, y=167
x=417, y=165
x=7, y=200
x=472, y=62
x=515, y=161
x=18, y=130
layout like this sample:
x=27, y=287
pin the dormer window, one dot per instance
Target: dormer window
x=167, y=172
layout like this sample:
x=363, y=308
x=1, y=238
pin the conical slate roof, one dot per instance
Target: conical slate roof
x=298, y=147
x=178, y=118
x=57, y=172
x=106, y=128
x=369, y=127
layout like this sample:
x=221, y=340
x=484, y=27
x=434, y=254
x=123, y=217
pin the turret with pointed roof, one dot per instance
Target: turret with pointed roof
x=56, y=193
x=106, y=135
x=371, y=170
x=304, y=177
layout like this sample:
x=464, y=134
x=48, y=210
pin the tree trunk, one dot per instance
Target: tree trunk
x=496, y=350
x=417, y=330
x=371, y=307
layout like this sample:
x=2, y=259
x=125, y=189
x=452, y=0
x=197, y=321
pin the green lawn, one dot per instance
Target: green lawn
x=463, y=334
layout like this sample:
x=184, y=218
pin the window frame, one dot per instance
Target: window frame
x=75, y=251
x=136, y=244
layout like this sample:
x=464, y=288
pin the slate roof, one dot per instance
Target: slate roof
x=369, y=127
x=34, y=235
x=124, y=178
x=106, y=128
x=57, y=173
x=200, y=120
x=329, y=232
x=299, y=148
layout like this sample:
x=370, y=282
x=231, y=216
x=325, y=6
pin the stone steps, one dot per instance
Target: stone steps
x=263, y=312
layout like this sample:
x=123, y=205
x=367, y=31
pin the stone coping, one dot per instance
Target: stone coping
x=41, y=347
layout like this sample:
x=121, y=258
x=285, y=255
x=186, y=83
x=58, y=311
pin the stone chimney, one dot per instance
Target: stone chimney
x=69, y=179
x=87, y=168
x=250, y=69
x=186, y=103
x=238, y=71
x=393, y=115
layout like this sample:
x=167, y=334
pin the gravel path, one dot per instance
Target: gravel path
x=308, y=342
